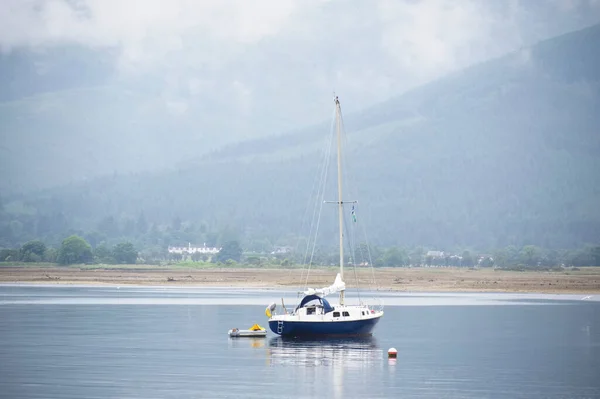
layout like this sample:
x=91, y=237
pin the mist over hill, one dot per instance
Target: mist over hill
x=503, y=152
x=90, y=88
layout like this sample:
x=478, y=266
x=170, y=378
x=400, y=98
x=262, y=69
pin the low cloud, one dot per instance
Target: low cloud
x=256, y=51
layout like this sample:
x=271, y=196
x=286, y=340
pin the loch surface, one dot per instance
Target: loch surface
x=171, y=342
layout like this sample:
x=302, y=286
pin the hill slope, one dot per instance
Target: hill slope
x=68, y=115
x=506, y=152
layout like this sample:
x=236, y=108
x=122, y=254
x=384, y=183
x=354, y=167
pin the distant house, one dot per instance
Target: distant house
x=435, y=254
x=194, y=250
x=485, y=260
x=281, y=250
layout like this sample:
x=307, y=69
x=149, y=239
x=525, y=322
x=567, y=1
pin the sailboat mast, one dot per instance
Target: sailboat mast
x=338, y=117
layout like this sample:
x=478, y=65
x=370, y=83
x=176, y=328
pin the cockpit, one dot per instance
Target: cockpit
x=314, y=305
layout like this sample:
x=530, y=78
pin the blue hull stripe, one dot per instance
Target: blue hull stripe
x=308, y=328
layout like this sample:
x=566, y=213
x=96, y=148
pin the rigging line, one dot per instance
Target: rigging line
x=305, y=218
x=347, y=181
x=314, y=245
x=302, y=260
x=352, y=254
x=322, y=191
x=370, y=257
x=325, y=158
x=362, y=253
x=362, y=224
x=359, y=248
x=364, y=259
x=316, y=190
x=371, y=282
x=312, y=191
x=351, y=239
x=350, y=188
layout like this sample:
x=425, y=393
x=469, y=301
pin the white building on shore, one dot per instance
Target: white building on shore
x=189, y=250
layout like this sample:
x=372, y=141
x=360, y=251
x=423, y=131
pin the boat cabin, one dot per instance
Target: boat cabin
x=313, y=305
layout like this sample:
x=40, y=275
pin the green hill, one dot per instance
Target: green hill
x=505, y=152
x=66, y=136
x=67, y=115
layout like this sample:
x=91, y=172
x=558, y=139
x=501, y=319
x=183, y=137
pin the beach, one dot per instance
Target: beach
x=423, y=279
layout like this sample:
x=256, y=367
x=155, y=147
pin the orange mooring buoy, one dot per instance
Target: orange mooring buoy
x=392, y=353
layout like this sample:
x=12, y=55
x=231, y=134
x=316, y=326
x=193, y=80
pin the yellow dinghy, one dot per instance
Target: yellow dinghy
x=254, y=331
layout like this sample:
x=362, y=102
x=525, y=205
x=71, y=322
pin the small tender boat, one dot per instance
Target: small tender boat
x=254, y=331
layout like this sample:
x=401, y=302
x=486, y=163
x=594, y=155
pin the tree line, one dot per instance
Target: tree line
x=527, y=256
x=73, y=250
x=77, y=250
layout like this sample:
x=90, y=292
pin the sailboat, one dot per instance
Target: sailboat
x=315, y=315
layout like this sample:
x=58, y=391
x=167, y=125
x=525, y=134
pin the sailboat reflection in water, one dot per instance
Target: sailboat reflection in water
x=347, y=353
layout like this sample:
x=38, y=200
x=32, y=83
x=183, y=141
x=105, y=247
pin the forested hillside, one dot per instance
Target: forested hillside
x=503, y=153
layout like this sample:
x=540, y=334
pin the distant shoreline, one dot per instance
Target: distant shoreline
x=582, y=281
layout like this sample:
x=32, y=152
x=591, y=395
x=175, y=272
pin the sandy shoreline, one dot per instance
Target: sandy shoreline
x=583, y=281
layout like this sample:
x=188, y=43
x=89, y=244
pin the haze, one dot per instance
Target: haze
x=474, y=124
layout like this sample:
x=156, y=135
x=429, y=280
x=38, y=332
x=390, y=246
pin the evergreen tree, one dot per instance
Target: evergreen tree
x=74, y=249
x=231, y=250
x=125, y=252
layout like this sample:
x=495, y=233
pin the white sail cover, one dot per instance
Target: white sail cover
x=338, y=285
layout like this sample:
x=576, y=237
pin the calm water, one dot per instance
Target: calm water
x=123, y=342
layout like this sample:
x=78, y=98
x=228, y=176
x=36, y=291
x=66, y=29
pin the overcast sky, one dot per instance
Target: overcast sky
x=253, y=54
